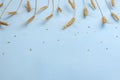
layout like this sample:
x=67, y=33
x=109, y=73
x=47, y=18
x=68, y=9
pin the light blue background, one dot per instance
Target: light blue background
x=77, y=53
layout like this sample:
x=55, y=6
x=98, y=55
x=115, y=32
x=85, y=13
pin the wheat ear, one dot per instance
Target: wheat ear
x=93, y=4
x=1, y=4
x=115, y=16
x=15, y=12
x=104, y=19
x=71, y=4
x=44, y=7
x=52, y=14
x=28, y=6
x=32, y=18
x=86, y=12
x=3, y=23
x=59, y=8
x=72, y=21
x=5, y=8
x=113, y=2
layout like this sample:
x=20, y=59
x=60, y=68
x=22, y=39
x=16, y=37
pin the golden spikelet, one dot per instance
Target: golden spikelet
x=3, y=23
x=113, y=2
x=71, y=4
x=104, y=20
x=93, y=4
x=85, y=11
x=69, y=23
x=49, y=17
x=43, y=8
x=28, y=7
x=115, y=16
x=59, y=9
x=12, y=13
x=30, y=19
x=1, y=4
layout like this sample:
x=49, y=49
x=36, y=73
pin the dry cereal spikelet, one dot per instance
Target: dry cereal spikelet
x=1, y=4
x=104, y=20
x=59, y=10
x=49, y=17
x=71, y=4
x=12, y=13
x=115, y=16
x=28, y=6
x=93, y=4
x=3, y=23
x=113, y=2
x=69, y=23
x=30, y=19
x=43, y=8
x=86, y=11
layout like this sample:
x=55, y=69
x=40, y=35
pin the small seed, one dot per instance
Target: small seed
x=49, y=17
x=115, y=16
x=93, y=4
x=43, y=8
x=69, y=23
x=3, y=23
x=104, y=20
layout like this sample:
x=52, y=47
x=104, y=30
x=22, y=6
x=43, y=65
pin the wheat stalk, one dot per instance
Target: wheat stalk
x=5, y=8
x=72, y=21
x=32, y=18
x=59, y=8
x=2, y=22
x=28, y=6
x=99, y=8
x=15, y=12
x=44, y=7
x=93, y=4
x=52, y=14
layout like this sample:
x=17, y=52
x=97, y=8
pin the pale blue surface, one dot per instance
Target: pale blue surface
x=77, y=53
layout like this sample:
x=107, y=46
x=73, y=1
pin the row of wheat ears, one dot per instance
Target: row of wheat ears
x=72, y=3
